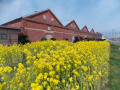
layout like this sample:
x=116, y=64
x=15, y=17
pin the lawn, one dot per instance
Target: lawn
x=114, y=76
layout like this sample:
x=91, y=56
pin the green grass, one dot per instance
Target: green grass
x=114, y=75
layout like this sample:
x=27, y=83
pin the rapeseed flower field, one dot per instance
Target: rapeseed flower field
x=54, y=65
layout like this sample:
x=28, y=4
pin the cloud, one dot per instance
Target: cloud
x=106, y=8
x=10, y=10
x=102, y=15
x=106, y=12
x=17, y=8
x=98, y=14
x=13, y=9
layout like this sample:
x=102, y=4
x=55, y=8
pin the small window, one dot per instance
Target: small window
x=52, y=19
x=44, y=17
x=49, y=28
x=3, y=36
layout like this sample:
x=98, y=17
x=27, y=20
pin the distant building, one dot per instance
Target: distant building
x=46, y=25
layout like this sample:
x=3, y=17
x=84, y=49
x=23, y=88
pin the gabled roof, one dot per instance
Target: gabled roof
x=32, y=15
x=18, y=19
x=72, y=23
x=92, y=31
x=48, y=10
x=85, y=29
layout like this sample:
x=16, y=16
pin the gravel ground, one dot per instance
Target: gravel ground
x=114, y=42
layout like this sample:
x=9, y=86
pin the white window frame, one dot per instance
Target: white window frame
x=52, y=19
x=49, y=28
x=44, y=17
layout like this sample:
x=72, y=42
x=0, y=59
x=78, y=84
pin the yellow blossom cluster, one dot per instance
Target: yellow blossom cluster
x=54, y=65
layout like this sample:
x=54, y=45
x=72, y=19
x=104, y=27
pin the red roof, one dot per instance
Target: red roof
x=85, y=29
x=92, y=31
x=72, y=25
x=11, y=28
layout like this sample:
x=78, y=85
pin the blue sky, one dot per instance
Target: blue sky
x=102, y=15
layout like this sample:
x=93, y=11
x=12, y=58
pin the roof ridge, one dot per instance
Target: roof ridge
x=32, y=14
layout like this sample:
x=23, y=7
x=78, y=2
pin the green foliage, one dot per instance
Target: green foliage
x=114, y=74
x=76, y=39
x=43, y=39
x=22, y=39
x=53, y=39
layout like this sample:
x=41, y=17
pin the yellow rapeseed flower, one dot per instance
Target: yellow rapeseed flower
x=21, y=85
x=70, y=79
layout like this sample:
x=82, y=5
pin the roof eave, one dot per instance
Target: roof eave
x=12, y=21
x=7, y=27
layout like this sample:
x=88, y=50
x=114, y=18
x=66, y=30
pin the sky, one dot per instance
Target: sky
x=102, y=15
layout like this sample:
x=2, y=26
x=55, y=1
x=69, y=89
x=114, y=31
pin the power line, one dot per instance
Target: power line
x=114, y=35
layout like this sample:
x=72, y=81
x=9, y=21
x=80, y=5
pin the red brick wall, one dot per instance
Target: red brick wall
x=49, y=16
x=12, y=36
x=37, y=31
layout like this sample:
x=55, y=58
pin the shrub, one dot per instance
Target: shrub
x=76, y=39
x=22, y=39
x=43, y=39
x=53, y=39
x=81, y=39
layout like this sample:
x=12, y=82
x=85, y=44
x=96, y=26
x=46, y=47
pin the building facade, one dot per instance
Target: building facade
x=46, y=25
x=8, y=35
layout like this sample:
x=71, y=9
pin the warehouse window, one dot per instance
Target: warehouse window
x=49, y=28
x=3, y=36
x=44, y=17
x=52, y=19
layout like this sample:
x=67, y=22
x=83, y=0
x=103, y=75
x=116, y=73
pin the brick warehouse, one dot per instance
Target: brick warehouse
x=8, y=35
x=45, y=24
